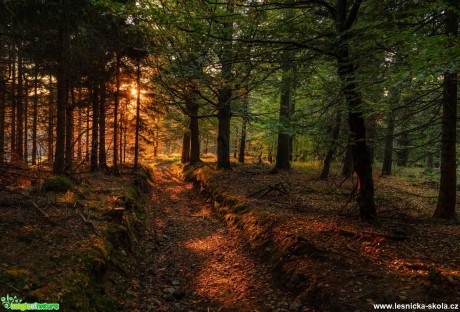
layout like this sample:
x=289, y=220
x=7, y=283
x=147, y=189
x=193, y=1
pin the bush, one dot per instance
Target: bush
x=58, y=184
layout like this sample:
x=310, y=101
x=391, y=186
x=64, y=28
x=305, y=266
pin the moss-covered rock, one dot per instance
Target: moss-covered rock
x=57, y=183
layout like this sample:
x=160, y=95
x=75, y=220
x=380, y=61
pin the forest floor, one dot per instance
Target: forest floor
x=72, y=242
x=309, y=231
x=240, y=240
x=193, y=262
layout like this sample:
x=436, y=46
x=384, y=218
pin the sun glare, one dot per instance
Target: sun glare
x=133, y=91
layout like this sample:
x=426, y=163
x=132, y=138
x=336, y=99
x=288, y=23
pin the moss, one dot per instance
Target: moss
x=57, y=183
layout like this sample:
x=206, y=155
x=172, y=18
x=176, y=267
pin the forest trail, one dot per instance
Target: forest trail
x=193, y=262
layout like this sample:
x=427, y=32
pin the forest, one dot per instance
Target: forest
x=229, y=155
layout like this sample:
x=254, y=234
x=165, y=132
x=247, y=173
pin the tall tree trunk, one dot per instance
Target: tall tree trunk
x=2, y=120
x=35, y=118
x=242, y=151
x=50, y=137
x=224, y=116
x=359, y=148
x=26, y=122
x=14, y=156
x=59, y=155
x=185, y=148
x=115, y=115
x=194, y=133
x=102, y=151
x=283, y=151
x=332, y=147
x=389, y=139
x=69, y=131
x=87, y=153
x=20, y=110
x=448, y=183
x=138, y=117
x=95, y=127
x=80, y=125
x=225, y=94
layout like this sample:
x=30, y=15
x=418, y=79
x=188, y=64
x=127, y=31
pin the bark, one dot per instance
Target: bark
x=185, y=148
x=332, y=147
x=224, y=116
x=19, y=153
x=35, y=118
x=194, y=133
x=59, y=154
x=102, y=151
x=243, y=141
x=362, y=162
x=2, y=120
x=138, y=107
x=448, y=184
x=87, y=153
x=26, y=122
x=95, y=127
x=115, y=115
x=225, y=95
x=389, y=139
x=69, y=131
x=14, y=157
x=283, y=151
x=50, y=137
x=80, y=125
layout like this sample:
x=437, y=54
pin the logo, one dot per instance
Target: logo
x=14, y=303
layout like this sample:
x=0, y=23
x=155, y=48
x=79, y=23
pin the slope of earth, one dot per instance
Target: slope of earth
x=193, y=262
x=67, y=241
x=308, y=231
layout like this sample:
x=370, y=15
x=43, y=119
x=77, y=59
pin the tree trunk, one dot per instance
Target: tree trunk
x=14, y=156
x=115, y=115
x=59, y=155
x=138, y=109
x=26, y=122
x=283, y=152
x=448, y=184
x=194, y=133
x=332, y=148
x=102, y=152
x=69, y=131
x=2, y=120
x=186, y=148
x=243, y=141
x=35, y=118
x=389, y=139
x=224, y=116
x=50, y=137
x=95, y=127
x=80, y=125
x=87, y=153
x=20, y=111
x=359, y=148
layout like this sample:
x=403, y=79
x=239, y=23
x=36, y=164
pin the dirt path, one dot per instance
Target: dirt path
x=194, y=263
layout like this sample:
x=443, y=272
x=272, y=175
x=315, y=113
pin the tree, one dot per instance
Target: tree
x=448, y=184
